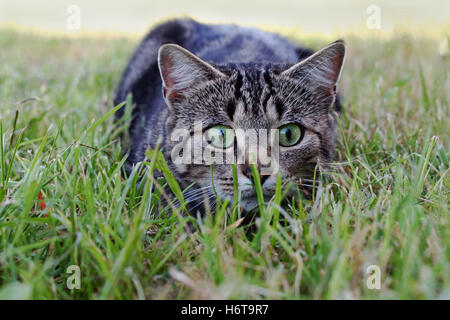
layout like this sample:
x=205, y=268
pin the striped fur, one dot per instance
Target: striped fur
x=184, y=72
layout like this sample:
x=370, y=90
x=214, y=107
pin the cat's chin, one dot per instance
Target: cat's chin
x=249, y=203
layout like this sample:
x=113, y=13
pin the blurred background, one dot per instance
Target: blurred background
x=136, y=16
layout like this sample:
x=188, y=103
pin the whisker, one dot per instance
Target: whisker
x=195, y=190
x=192, y=194
x=201, y=202
x=199, y=196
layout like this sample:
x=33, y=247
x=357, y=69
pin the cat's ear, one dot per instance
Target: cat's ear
x=322, y=69
x=181, y=70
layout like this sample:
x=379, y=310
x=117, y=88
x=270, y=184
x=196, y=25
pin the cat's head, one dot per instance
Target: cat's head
x=217, y=111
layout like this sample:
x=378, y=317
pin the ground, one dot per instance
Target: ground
x=381, y=211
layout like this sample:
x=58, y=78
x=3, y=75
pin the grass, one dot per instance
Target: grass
x=63, y=201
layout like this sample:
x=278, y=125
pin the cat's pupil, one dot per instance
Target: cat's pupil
x=288, y=134
x=222, y=136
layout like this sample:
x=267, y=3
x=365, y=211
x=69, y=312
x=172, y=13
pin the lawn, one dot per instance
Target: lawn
x=64, y=202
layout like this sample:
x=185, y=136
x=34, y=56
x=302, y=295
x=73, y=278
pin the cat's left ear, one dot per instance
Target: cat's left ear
x=322, y=69
x=181, y=71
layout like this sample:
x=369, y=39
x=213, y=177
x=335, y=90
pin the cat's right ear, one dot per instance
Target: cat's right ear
x=181, y=71
x=322, y=69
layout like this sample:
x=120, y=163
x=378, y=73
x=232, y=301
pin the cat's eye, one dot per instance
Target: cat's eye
x=220, y=136
x=290, y=134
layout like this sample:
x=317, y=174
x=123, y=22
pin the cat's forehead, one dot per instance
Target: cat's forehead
x=251, y=96
x=255, y=100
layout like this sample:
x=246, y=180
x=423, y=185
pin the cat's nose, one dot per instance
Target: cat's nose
x=247, y=171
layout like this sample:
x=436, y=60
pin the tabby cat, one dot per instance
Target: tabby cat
x=226, y=78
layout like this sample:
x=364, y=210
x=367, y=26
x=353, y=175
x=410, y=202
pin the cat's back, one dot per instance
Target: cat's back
x=229, y=43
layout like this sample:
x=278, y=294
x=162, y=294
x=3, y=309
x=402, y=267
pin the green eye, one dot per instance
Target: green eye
x=220, y=136
x=290, y=134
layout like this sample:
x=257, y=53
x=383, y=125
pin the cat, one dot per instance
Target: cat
x=228, y=78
